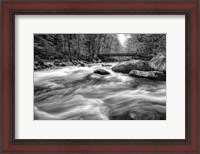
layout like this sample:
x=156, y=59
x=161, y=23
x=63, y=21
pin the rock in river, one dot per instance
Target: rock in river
x=158, y=62
x=156, y=75
x=126, y=67
x=82, y=63
x=101, y=72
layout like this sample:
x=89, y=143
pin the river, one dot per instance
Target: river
x=76, y=93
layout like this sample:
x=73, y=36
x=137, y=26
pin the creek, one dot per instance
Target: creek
x=76, y=93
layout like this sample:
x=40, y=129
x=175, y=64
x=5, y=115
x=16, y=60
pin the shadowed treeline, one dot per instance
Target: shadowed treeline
x=58, y=49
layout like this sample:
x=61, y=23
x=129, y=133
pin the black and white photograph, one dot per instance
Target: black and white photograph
x=109, y=76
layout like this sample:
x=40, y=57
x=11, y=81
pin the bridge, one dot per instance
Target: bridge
x=117, y=54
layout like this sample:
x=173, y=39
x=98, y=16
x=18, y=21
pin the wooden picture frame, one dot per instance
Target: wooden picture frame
x=12, y=8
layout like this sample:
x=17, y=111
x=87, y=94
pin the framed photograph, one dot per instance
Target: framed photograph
x=100, y=76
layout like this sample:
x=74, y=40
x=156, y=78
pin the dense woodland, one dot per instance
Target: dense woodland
x=62, y=49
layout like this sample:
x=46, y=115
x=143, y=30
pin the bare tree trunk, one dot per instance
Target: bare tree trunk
x=96, y=46
x=63, y=43
x=69, y=47
x=90, y=48
x=100, y=47
x=78, y=46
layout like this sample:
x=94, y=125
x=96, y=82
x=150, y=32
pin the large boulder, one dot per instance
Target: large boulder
x=101, y=72
x=156, y=75
x=158, y=62
x=126, y=67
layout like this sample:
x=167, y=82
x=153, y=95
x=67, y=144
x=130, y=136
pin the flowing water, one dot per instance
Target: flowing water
x=76, y=93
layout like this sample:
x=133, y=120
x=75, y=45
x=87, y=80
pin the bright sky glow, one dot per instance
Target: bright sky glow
x=123, y=38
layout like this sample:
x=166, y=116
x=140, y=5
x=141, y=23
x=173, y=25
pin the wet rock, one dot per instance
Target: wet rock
x=158, y=62
x=101, y=72
x=144, y=112
x=94, y=61
x=35, y=68
x=106, y=65
x=155, y=75
x=99, y=60
x=57, y=62
x=126, y=67
x=36, y=63
x=51, y=65
x=68, y=63
x=48, y=64
x=40, y=62
x=42, y=67
x=82, y=63
x=62, y=64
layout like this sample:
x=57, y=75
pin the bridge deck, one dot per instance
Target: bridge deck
x=117, y=54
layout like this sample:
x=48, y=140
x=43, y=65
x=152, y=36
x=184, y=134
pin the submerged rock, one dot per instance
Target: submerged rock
x=101, y=72
x=156, y=75
x=126, y=67
x=106, y=65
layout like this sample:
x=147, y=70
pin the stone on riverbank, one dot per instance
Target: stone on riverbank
x=155, y=75
x=158, y=62
x=126, y=67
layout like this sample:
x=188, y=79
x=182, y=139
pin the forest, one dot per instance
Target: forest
x=52, y=50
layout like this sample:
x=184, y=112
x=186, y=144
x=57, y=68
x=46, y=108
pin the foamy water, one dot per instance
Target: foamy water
x=75, y=93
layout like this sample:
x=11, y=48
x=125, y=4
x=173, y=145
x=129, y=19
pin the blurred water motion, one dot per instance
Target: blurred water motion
x=76, y=93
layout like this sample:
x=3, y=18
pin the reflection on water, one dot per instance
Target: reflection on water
x=76, y=93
